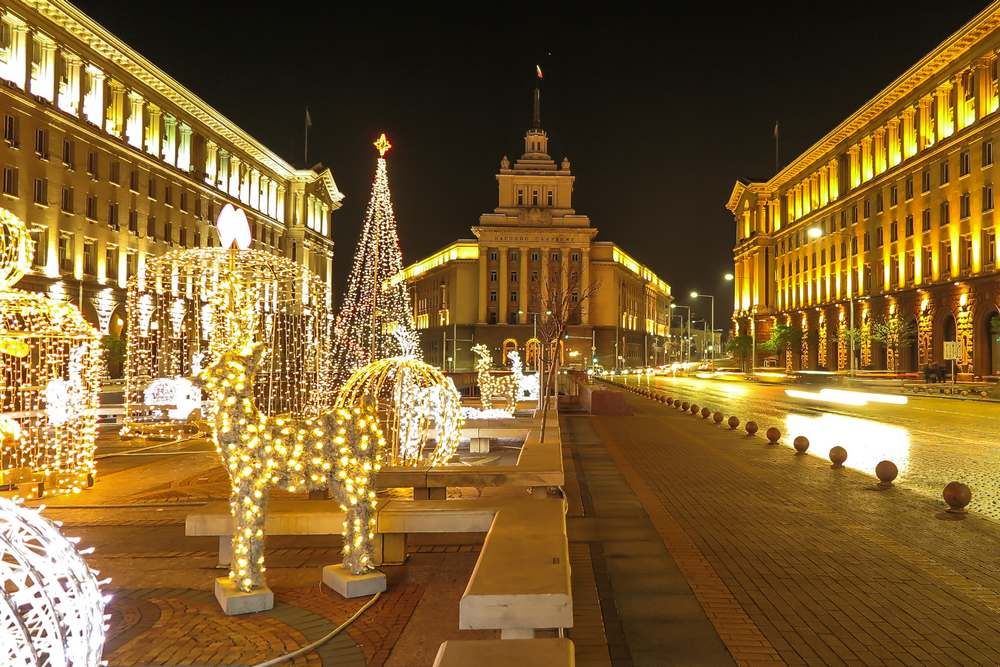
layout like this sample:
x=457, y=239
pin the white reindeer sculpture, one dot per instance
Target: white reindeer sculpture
x=339, y=449
x=496, y=386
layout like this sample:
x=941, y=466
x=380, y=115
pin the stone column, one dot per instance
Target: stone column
x=93, y=99
x=69, y=96
x=153, y=131
x=211, y=162
x=945, y=114
x=925, y=137
x=234, y=176
x=20, y=58
x=893, y=156
x=503, y=293
x=522, y=276
x=984, y=86
x=909, y=137
x=184, y=147
x=483, y=288
x=116, y=109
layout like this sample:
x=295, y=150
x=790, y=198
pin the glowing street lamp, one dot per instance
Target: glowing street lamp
x=814, y=232
x=729, y=277
x=696, y=295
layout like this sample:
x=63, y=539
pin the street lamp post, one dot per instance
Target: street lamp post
x=686, y=357
x=696, y=295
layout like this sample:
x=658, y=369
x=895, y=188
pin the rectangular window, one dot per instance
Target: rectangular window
x=867, y=245
x=893, y=195
x=513, y=297
x=854, y=214
x=41, y=192
x=66, y=253
x=843, y=219
x=987, y=197
x=908, y=188
x=965, y=257
x=894, y=272
x=131, y=264
x=925, y=180
x=548, y=198
x=10, y=181
x=945, y=175
x=989, y=248
x=111, y=261
x=879, y=202
x=69, y=153
x=197, y=213
x=964, y=206
x=184, y=201
x=926, y=264
x=493, y=255
x=866, y=209
x=868, y=278
x=168, y=195
x=945, y=212
x=987, y=153
x=534, y=197
x=113, y=215
x=925, y=220
x=963, y=163
x=133, y=180
x=92, y=207
x=520, y=197
x=910, y=264
x=89, y=257
x=893, y=232
x=513, y=276
x=534, y=256
x=40, y=236
x=493, y=297
x=115, y=173
x=909, y=226
x=168, y=232
x=945, y=258
x=879, y=237
x=42, y=143
x=493, y=276
x=183, y=236
x=92, y=164
x=197, y=239
x=66, y=202
x=151, y=187
x=11, y=130
x=151, y=227
x=133, y=221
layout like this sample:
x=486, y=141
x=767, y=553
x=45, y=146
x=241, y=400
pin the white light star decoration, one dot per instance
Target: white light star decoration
x=178, y=395
x=51, y=605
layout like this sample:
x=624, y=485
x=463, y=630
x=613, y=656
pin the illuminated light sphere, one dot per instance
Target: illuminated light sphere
x=492, y=386
x=51, y=605
x=419, y=407
x=339, y=449
x=50, y=367
x=187, y=307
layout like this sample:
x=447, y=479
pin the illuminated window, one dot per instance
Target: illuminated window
x=548, y=198
x=493, y=297
x=520, y=197
x=534, y=256
x=945, y=256
x=41, y=191
x=89, y=257
x=893, y=195
x=965, y=256
x=964, y=206
x=111, y=261
x=925, y=180
x=534, y=197
x=67, y=200
x=10, y=181
x=989, y=247
x=866, y=209
x=10, y=130
x=40, y=237
x=151, y=227
x=926, y=263
x=945, y=172
x=493, y=255
x=945, y=212
x=493, y=276
x=66, y=252
x=513, y=276
x=925, y=220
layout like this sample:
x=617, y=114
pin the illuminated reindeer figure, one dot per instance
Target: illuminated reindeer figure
x=495, y=386
x=339, y=449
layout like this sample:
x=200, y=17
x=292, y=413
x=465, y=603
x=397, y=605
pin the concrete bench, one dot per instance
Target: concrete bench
x=521, y=581
x=506, y=652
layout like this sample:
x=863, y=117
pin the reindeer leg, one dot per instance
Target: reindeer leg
x=247, y=567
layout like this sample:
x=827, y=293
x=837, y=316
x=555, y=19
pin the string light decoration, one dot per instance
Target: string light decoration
x=50, y=368
x=419, y=407
x=496, y=386
x=470, y=412
x=377, y=301
x=51, y=605
x=527, y=389
x=189, y=305
x=338, y=449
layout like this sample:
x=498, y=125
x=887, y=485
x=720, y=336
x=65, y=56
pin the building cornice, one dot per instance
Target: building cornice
x=104, y=43
x=924, y=71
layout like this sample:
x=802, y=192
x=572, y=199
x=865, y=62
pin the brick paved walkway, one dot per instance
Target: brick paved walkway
x=790, y=557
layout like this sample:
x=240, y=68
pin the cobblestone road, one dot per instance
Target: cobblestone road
x=789, y=556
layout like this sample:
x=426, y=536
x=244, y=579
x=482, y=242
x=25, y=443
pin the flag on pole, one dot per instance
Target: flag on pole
x=775, y=129
x=309, y=120
x=538, y=71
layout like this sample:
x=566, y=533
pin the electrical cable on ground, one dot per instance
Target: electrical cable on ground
x=322, y=640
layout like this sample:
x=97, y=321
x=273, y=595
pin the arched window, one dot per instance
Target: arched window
x=509, y=345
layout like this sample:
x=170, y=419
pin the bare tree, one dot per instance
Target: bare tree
x=562, y=307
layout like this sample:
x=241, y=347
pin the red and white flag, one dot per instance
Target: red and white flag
x=538, y=71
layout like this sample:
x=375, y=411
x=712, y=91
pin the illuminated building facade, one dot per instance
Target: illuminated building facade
x=110, y=161
x=493, y=289
x=892, y=216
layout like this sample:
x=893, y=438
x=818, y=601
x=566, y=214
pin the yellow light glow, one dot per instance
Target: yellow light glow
x=382, y=145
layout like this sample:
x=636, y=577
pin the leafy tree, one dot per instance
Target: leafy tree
x=783, y=338
x=114, y=354
x=894, y=332
x=740, y=347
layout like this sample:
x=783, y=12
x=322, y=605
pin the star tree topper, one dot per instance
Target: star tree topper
x=382, y=145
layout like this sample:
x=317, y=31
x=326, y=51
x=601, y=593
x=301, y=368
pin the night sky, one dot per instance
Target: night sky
x=658, y=115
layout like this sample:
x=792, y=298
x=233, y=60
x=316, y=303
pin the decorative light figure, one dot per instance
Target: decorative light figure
x=377, y=301
x=51, y=605
x=339, y=449
x=178, y=392
x=496, y=386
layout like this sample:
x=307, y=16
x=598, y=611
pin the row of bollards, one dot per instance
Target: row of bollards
x=956, y=494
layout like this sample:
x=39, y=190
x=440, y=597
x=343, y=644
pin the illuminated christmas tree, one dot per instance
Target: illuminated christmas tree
x=375, y=304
